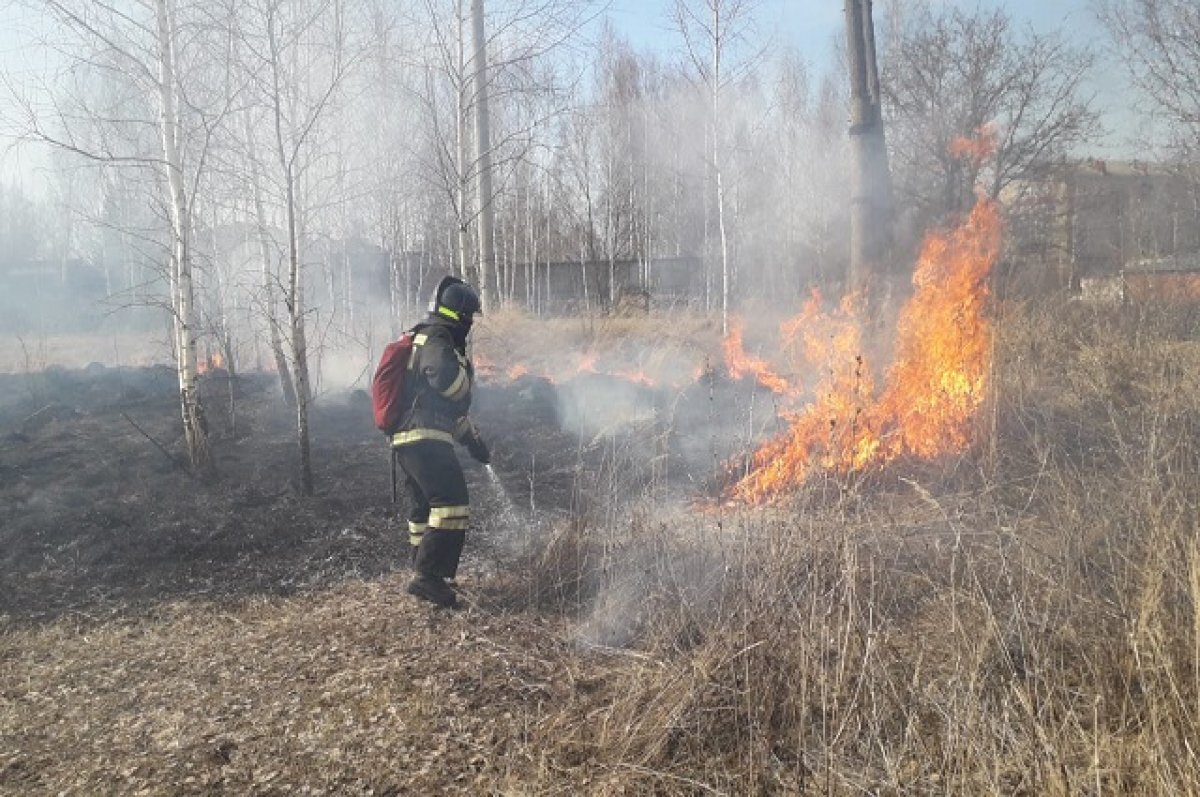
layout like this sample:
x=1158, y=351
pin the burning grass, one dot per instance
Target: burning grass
x=930, y=394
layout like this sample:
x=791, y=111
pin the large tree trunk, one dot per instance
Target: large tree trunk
x=871, y=198
x=182, y=289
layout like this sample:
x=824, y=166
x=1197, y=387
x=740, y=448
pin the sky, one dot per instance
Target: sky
x=22, y=59
x=811, y=27
x=814, y=28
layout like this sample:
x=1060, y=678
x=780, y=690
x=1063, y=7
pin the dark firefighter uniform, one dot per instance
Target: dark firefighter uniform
x=438, y=395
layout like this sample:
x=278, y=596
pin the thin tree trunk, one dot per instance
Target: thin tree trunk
x=466, y=264
x=718, y=163
x=182, y=298
x=531, y=252
x=268, y=273
x=610, y=240
x=295, y=294
x=483, y=157
x=299, y=341
x=393, y=281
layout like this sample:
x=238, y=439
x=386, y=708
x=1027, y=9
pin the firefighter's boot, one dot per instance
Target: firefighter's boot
x=433, y=589
x=436, y=560
x=450, y=548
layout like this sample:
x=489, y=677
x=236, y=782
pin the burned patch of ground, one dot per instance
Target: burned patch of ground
x=97, y=513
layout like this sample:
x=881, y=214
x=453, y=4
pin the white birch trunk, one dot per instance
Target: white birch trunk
x=718, y=162
x=182, y=289
x=483, y=146
x=295, y=293
x=270, y=305
x=466, y=263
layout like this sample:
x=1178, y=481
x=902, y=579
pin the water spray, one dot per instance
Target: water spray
x=508, y=513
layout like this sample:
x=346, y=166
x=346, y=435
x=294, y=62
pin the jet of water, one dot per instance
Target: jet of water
x=508, y=513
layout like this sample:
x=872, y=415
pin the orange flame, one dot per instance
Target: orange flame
x=741, y=364
x=210, y=363
x=978, y=148
x=931, y=392
x=637, y=377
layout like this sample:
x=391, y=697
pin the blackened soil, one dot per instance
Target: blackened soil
x=97, y=514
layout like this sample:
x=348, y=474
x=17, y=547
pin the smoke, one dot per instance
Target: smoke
x=667, y=560
x=595, y=405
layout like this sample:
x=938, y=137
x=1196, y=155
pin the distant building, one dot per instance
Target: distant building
x=1163, y=280
x=572, y=286
x=1093, y=221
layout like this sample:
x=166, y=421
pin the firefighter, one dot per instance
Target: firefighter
x=437, y=398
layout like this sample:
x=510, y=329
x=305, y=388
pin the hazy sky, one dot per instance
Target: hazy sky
x=811, y=27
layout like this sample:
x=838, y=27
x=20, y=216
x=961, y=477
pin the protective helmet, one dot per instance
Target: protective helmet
x=456, y=300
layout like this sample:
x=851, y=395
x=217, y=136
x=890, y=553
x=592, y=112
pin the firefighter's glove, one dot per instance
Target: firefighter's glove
x=478, y=449
x=466, y=433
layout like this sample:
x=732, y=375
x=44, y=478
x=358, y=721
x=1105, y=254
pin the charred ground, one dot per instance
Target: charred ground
x=98, y=513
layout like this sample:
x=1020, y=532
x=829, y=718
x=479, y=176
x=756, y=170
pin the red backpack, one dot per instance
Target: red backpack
x=387, y=388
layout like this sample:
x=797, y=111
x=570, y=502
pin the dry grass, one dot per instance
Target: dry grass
x=1033, y=632
x=1025, y=625
x=1023, y=621
x=21, y=354
x=668, y=346
x=355, y=691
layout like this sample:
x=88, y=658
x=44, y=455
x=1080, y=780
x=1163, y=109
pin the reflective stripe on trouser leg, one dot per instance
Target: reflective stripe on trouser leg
x=443, y=543
x=415, y=532
x=449, y=518
x=440, y=490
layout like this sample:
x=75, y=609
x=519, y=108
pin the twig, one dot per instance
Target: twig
x=36, y=414
x=608, y=650
x=667, y=775
x=170, y=457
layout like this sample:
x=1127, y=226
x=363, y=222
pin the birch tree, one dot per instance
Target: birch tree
x=519, y=38
x=163, y=122
x=182, y=285
x=712, y=31
x=299, y=56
